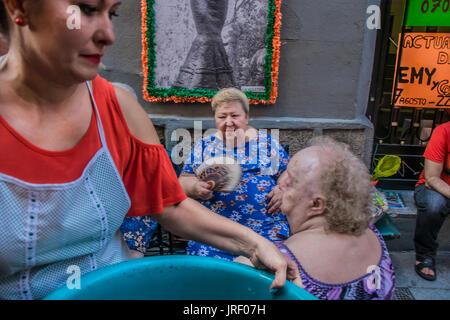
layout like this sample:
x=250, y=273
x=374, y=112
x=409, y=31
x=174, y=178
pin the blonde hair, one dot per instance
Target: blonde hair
x=345, y=181
x=230, y=95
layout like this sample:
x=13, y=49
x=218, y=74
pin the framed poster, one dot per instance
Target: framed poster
x=193, y=48
x=423, y=77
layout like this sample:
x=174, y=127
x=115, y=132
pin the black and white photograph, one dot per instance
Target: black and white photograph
x=203, y=44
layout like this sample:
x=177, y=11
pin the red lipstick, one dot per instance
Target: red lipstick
x=94, y=58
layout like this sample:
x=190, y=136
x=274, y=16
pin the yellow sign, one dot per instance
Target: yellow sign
x=424, y=71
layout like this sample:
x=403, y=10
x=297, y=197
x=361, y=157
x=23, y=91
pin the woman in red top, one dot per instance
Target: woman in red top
x=78, y=155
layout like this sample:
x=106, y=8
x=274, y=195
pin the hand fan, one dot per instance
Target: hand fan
x=223, y=173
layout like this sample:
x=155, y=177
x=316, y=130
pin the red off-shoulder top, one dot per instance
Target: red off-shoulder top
x=146, y=169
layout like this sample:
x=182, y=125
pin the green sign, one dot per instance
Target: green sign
x=428, y=13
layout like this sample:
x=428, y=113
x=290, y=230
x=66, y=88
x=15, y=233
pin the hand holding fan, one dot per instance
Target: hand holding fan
x=222, y=173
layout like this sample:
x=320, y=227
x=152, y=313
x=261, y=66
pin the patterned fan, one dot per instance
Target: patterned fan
x=222, y=173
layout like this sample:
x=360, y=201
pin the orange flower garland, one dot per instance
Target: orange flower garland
x=179, y=95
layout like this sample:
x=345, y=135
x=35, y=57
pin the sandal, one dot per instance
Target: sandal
x=426, y=263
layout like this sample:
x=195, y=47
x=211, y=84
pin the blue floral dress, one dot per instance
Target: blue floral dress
x=263, y=160
x=138, y=231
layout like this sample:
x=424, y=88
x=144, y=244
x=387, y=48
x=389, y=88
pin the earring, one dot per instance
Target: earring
x=19, y=21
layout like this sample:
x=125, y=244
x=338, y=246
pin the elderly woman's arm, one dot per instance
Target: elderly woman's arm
x=191, y=220
x=195, y=188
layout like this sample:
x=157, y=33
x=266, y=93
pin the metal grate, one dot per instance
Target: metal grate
x=403, y=294
x=164, y=243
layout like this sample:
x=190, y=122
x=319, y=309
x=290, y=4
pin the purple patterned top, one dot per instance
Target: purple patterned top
x=378, y=284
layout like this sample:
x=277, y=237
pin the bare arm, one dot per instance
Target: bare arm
x=191, y=220
x=142, y=127
x=137, y=119
x=433, y=179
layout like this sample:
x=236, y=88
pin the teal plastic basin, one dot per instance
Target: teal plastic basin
x=179, y=278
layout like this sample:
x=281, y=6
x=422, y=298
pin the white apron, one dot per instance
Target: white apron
x=49, y=230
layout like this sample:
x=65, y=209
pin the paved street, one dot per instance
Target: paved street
x=410, y=286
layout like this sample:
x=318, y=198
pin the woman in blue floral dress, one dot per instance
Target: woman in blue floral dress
x=256, y=199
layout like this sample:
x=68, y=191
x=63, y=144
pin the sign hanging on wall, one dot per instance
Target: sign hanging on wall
x=423, y=77
x=193, y=48
x=428, y=13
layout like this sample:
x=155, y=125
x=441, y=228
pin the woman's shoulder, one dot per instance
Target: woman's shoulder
x=366, y=249
x=136, y=118
x=130, y=113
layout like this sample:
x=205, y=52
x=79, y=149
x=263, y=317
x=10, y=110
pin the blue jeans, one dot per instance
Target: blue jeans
x=432, y=209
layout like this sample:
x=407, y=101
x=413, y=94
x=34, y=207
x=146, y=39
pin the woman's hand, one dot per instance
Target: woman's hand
x=293, y=276
x=269, y=258
x=276, y=197
x=195, y=188
x=202, y=190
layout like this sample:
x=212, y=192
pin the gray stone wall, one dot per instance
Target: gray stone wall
x=325, y=71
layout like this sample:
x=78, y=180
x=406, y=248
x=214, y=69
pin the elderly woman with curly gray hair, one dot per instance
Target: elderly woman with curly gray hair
x=327, y=197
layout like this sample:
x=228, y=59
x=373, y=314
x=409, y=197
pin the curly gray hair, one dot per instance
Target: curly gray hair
x=345, y=181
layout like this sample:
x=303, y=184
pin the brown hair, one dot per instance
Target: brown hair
x=4, y=27
x=345, y=181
